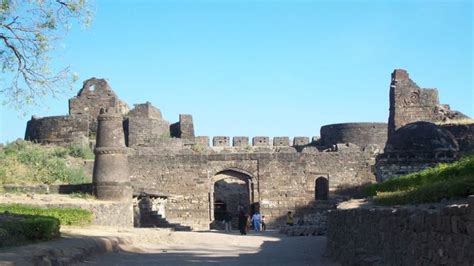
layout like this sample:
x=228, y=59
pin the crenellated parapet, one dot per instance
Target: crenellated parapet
x=244, y=144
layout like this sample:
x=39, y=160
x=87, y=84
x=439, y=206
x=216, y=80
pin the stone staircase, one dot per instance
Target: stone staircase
x=150, y=219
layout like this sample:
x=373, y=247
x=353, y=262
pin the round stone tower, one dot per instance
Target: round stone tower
x=111, y=180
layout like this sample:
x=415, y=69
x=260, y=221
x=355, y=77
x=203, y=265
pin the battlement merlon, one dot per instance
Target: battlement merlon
x=184, y=128
x=145, y=110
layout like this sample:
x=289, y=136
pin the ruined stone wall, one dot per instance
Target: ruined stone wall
x=361, y=134
x=403, y=235
x=95, y=95
x=409, y=103
x=61, y=130
x=145, y=126
x=281, y=181
x=184, y=128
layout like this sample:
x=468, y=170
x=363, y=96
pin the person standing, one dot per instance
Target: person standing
x=264, y=225
x=289, y=219
x=242, y=223
x=228, y=222
x=256, y=220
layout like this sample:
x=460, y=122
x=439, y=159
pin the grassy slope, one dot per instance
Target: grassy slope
x=445, y=181
x=23, y=162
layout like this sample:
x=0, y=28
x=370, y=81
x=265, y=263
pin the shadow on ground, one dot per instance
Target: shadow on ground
x=268, y=248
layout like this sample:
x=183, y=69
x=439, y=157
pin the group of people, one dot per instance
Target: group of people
x=257, y=221
x=245, y=222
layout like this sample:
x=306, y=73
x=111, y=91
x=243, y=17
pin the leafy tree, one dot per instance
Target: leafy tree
x=29, y=31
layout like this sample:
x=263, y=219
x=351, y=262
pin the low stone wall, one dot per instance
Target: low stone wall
x=105, y=213
x=403, y=236
x=49, y=189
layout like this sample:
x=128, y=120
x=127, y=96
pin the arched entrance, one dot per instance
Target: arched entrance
x=322, y=188
x=230, y=191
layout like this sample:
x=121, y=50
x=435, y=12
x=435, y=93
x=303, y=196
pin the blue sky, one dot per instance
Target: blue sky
x=267, y=68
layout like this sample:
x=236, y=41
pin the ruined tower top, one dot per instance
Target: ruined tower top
x=96, y=87
x=400, y=74
x=94, y=95
x=409, y=103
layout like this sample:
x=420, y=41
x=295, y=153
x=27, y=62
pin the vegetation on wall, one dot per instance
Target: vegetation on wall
x=23, y=162
x=445, y=181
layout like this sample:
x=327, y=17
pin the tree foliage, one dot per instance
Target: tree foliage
x=29, y=32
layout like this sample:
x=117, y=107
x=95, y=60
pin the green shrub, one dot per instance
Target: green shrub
x=67, y=216
x=83, y=152
x=23, y=162
x=16, y=229
x=445, y=181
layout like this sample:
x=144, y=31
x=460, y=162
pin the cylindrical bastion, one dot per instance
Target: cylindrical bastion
x=361, y=134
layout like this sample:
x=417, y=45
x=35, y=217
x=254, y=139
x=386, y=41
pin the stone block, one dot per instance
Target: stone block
x=202, y=140
x=240, y=141
x=220, y=141
x=300, y=141
x=261, y=141
x=186, y=126
x=281, y=141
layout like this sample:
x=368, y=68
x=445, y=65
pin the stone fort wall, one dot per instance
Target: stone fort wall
x=403, y=235
x=169, y=160
x=421, y=132
x=361, y=134
x=61, y=130
x=281, y=181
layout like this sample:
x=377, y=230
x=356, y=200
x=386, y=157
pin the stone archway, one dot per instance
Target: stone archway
x=233, y=189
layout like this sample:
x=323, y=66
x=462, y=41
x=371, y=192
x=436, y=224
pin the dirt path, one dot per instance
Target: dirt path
x=186, y=248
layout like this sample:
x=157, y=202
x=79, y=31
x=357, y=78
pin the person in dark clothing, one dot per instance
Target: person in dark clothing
x=243, y=223
x=228, y=222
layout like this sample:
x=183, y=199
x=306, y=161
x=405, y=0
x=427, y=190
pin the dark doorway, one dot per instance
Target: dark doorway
x=220, y=208
x=322, y=188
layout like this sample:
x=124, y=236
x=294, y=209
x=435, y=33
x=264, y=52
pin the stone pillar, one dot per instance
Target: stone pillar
x=111, y=180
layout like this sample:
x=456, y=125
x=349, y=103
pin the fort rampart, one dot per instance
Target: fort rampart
x=403, y=235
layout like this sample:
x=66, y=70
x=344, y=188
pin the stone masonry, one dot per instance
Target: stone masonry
x=409, y=103
x=427, y=235
x=414, y=141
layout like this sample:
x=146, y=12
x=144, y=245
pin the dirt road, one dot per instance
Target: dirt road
x=197, y=248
